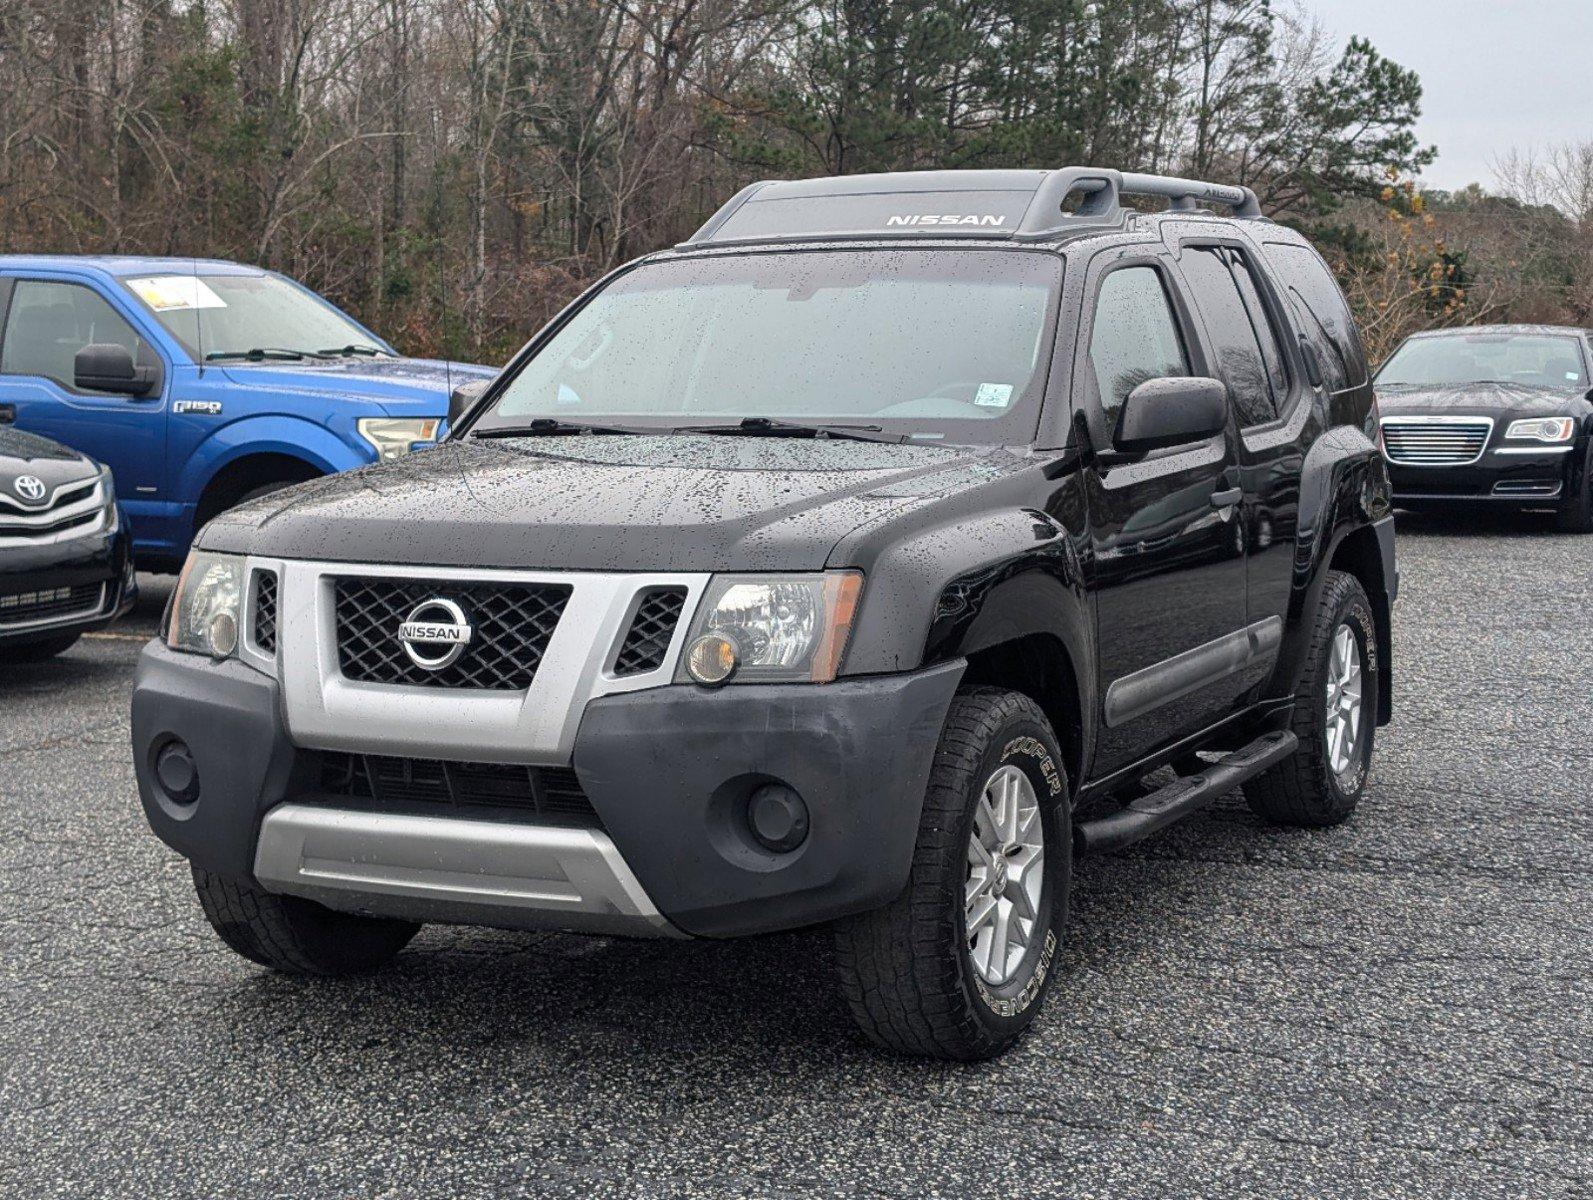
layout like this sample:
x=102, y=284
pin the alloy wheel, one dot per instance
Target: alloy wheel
x=1344, y=704
x=1006, y=876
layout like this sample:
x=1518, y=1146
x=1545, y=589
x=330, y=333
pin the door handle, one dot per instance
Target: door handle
x=1225, y=498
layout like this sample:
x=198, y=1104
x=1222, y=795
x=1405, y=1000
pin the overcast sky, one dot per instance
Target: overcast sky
x=1495, y=73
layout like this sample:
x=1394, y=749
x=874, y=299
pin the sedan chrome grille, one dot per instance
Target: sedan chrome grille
x=1435, y=441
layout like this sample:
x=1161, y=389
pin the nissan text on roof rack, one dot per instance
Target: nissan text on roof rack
x=834, y=566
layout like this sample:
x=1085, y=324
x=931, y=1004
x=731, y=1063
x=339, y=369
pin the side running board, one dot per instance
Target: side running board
x=1184, y=795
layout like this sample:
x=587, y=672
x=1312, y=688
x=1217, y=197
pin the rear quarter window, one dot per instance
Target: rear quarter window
x=1320, y=312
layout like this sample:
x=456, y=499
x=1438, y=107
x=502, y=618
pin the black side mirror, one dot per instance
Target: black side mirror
x=1172, y=411
x=463, y=398
x=109, y=367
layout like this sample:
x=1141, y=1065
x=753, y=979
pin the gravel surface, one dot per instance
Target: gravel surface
x=1401, y=1006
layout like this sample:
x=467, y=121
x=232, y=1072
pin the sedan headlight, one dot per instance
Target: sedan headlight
x=207, y=605
x=394, y=437
x=771, y=628
x=113, y=513
x=1543, y=429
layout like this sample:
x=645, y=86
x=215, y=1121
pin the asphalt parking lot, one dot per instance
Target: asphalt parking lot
x=1402, y=1006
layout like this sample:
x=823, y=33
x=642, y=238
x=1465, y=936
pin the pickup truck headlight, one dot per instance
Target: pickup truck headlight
x=394, y=437
x=207, y=605
x=771, y=628
x=1542, y=429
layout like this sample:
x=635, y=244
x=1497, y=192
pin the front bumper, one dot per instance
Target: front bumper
x=101, y=561
x=1523, y=476
x=667, y=771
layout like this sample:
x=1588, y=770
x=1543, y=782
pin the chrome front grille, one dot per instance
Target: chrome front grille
x=511, y=625
x=50, y=605
x=1435, y=441
x=74, y=510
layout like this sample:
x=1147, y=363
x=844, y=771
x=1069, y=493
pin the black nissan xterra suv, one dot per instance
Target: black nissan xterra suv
x=861, y=560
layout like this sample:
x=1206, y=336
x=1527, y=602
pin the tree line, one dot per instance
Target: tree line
x=452, y=171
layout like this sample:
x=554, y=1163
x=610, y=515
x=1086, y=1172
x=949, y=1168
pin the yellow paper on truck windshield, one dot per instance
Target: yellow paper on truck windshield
x=174, y=293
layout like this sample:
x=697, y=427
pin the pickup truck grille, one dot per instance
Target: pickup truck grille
x=550, y=793
x=1417, y=442
x=511, y=624
x=27, y=608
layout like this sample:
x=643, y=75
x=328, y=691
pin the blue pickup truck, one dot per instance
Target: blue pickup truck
x=203, y=383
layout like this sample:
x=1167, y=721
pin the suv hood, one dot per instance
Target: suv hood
x=398, y=386
x=51, y=463
x=606, y=503
x=1480, y=399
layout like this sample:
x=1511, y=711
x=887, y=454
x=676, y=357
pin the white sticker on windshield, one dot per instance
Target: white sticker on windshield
x=175, y=293
x=1572, y=376
x=993, y=395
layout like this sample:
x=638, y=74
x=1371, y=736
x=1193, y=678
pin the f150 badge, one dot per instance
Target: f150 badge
x=208, y=408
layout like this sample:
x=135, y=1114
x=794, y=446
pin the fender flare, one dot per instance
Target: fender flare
x=291, y=437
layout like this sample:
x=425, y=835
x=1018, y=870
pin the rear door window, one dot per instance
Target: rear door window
x=1235, y=342
x=1320, y=312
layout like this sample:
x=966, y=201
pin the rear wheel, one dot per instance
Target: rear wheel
x=958, y=966
x=294, y=935
x=43, y=649
x=1335, y=716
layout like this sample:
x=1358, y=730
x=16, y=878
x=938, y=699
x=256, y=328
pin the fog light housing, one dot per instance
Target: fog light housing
x=712, y=659
x=778, y=817
x=177, y=773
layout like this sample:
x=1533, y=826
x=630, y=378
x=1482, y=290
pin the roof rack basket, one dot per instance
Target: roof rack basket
x=1102, y=190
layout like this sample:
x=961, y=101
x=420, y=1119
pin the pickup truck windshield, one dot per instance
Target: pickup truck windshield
x=1531, y=360
x=930, y=344
x=227, y=316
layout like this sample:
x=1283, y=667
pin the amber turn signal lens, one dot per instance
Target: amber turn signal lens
x=711, y=659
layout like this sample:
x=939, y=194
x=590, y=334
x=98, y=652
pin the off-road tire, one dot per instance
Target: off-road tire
x=294, y=935
x=904, y=969
x=1303, y=789
x=42, y=650
x=1576, y=513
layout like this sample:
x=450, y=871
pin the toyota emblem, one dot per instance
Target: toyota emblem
x=30, y=488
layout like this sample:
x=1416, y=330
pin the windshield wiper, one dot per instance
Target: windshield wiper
x=769, y=427
x=350, y=350
x=544, y=426
x=262, y=354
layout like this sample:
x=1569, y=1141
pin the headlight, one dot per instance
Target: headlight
x=207, y=605
x=394, y=437
x=770, y=628
x=113, y=515
x=1543, y=429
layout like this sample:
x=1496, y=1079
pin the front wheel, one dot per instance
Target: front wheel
x=958, y=965
x=1576, y=512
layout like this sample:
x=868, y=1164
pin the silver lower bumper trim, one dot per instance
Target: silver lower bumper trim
x=452, y=870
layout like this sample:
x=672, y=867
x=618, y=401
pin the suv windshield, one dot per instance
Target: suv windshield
x=1531, y=360
x=229, y=315
x=931, y=344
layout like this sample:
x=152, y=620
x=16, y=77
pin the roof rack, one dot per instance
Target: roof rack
x=1103, y=190
x=1024, y=205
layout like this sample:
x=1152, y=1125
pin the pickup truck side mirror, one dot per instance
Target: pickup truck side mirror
x=463, y=398
x=109, y=367
x=1171, y=411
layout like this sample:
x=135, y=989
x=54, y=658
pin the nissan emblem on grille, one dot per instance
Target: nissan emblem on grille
x=30, y=488
x=435, y=634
